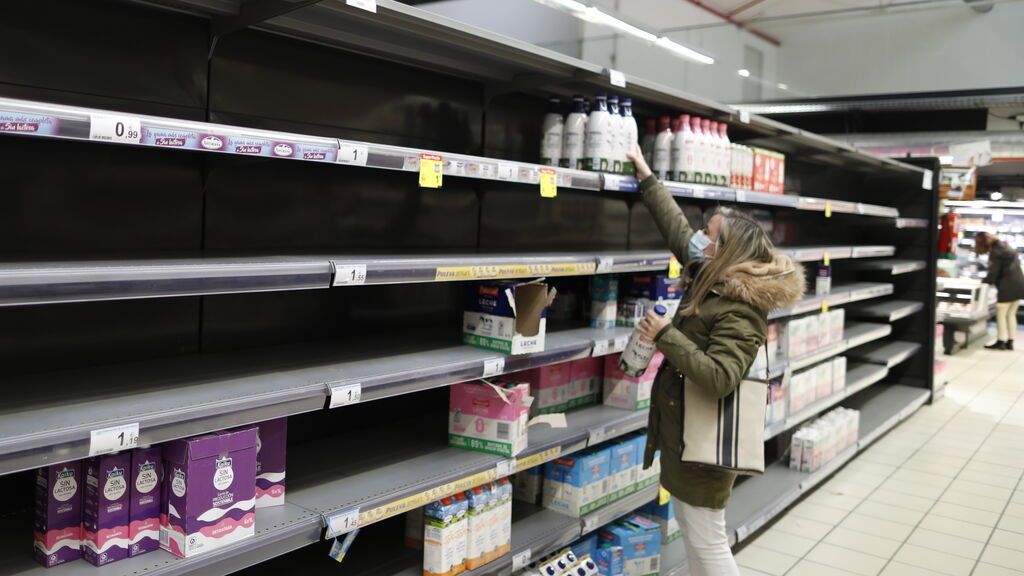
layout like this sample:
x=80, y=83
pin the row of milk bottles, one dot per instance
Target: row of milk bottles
x=591, y=137
x=689, y=149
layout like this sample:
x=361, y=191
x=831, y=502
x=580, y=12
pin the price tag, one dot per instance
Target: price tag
x=120, y=129
x=351, y=153
x=828, y=209
x=675, y=269
x=741, y=195
x=368, y=5
x=616, y=78
x=825, y=258
x=342, y=522
x=591, y=523
x=114, y=439
x=493, y=367
x=345, y=394
x=604, y=265
x=824, y=306
x=663, y=495
x=521, y=560
x=620, y=343
x=430, y=170
x=350, y=275
x=506, y=171
x=926, y=180
x=745, y=116
x=698, y=193
x=548, y=183
x=600, y=348
x=506, y=467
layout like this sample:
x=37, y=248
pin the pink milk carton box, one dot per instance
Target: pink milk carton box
x=587, y=374
x=211, y=492
x=271, y=447
x=489, y=418
x=549, y=386
x=145, y=492
x=105, y=509
x=627, y=392
x=58, y=514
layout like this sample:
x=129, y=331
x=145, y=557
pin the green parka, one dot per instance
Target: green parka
x=712, y=349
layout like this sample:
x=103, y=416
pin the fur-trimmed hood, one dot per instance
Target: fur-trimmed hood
x=765, y=285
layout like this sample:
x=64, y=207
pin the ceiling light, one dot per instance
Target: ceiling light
x=996, y=196
x=684, y=51
x=945, y=160
x=783, y=86
x=743, y=72
x=596, y=16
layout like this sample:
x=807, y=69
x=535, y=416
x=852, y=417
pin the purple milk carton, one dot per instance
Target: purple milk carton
x=270, y=462
x=211, y=492
x=58, y=517
x=144, y=504
x=105, y=509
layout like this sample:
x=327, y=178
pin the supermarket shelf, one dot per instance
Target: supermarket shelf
x=760, y=499
x=817, y=356
x=890, y=310
x=889, y=353
x=893, y=266
x=911, y=223
x=868, y=290
x=854, y=334
x=857, y=333
x=536, y=529
x=183, y=397
x=841, y=294
x=617, y=509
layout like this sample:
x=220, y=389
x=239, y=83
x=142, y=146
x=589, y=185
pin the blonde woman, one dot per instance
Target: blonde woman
x=1005, y=274
x=711, y=343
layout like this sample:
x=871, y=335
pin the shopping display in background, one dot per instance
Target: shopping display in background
x=816, y=444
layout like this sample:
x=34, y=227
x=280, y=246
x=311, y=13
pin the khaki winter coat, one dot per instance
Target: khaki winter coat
x=712, y=349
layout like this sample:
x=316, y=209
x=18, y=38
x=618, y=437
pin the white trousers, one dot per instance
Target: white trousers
x=707, y=545
x=1006, y=320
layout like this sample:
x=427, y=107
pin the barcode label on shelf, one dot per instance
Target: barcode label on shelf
x=616, y=78
x=110, y=128
x=350, y=275
x=351, y=153
x=345, y=394
x=342, y=522
x=506, y=467
x=368, y=5
x=114, y=439
x=521, y=560
x=620, y=343
x=600, y=348
x=604, y=265
x=493, y=366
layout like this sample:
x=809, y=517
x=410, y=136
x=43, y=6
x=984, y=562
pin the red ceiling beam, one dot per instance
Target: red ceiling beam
x=728, y=18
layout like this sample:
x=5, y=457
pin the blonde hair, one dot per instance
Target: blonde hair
x=740, y=239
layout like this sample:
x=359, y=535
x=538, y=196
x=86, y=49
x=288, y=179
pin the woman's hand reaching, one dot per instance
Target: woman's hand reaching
x=637, y=156
x=652, y=324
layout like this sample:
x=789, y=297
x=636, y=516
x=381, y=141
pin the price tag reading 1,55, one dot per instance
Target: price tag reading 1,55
x=350, y=275
x=114, y=439
x=431, y=170
x=119, y=129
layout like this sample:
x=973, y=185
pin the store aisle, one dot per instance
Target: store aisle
x=941, y=495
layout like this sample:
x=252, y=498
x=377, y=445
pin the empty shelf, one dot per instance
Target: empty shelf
x=889, y=353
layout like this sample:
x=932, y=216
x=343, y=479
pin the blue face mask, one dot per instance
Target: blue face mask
x=698, y=243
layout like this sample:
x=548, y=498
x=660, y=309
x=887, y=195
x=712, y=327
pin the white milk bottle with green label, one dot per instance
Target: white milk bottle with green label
x=551, y=134
x=574, y=133
x=629, y=135
x=599, y=136
x=639, y=350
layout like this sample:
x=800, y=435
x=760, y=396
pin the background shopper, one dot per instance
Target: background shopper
x=1004, y=272
x=711, y=343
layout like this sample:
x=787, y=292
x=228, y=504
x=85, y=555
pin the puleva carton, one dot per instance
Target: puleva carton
x=445, y=536
x=510, y=317
x=488, y=418
x=58, y=513
x=575, y=485
x=640, y=539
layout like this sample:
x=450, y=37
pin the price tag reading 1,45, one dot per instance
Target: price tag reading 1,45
x=430, y=170
x=342, y=522
x=114, y=439
x=120, y=129
x=548, y=182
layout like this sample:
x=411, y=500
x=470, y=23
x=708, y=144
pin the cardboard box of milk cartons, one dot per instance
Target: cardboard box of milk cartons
x=627, y=392
x=211, y=492
x=622, y=469
x=144, y=506
x=573, y=485
x=105, y=513
x=510, y=317
x=640, y=539
x=489, y=418
x=549, y=386
x=58, y=514
x=445, y=536
x=271, y=448
x=585, y=384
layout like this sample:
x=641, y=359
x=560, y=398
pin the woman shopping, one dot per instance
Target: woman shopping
x=710, y=344
x=1004, y=272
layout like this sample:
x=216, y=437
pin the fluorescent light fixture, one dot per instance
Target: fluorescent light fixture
x=597, y=17
x=571, y=5
x=996, y=195
x=683, y=51
x=945, y=160
x=743, y=72
x=783, y=86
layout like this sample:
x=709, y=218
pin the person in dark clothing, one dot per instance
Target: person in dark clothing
x=1004, y=272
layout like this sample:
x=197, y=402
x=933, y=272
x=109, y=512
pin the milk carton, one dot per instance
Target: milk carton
x=823, y=378
x=445, y=534
x=510, y=317
x=211, y=492
x=648, y=476
x=604, y=296
x=489, y=419
x=528, y=484
x=503, y=517
x=622, y=391
x=105, y=513
x=664, y=515
x=144, y=488
x=838, y=374
x=771, y=355
x=549, y=386
x=585, y=385
x=574, y=485
x=585, y=546
x=622, y=469
x=797, y=334
x=270, y=462
x=838, y=324
x=58, y=514
x=825, y=330
x=479, y=540
x=631, y=312
x=640, y=539
x=776, y=400
x=609, y=559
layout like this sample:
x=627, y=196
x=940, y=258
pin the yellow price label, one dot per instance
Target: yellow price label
x=538, y=458
x=824, y=306
x=431, y=170
x=827, y=260
x=548, y=182
x=828, y=209
x=663, y=496
x=675, y=269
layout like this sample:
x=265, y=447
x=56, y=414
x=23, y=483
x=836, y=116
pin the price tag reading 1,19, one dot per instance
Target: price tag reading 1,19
x=342, y=522
x=351, y=153
x=114, y=439
x=493, y=367
x=548, y=182
x=345, y=394
x=430, y=170
x=120, y=129
x=350, y=275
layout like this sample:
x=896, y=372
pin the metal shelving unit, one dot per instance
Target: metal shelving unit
x=894, y=266
x=888, y=353
x=889, y=310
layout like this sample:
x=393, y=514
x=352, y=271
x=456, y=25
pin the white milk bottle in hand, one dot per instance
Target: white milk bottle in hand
x=617, y=139
x=663, y=148
x=598, y=142
x=639, y=350
x=551, y=133
x=647, y=142
x=629, y=132
x=574, y=134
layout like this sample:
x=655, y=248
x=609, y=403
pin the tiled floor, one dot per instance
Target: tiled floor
x=942, y=494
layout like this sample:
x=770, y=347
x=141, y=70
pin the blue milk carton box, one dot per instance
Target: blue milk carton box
x=640, y=539
x=649, y=476
x=509, y=317
x=622, y=469
x=609, y=559
x=585, y=546
x=664, y=515
x=574, y=485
